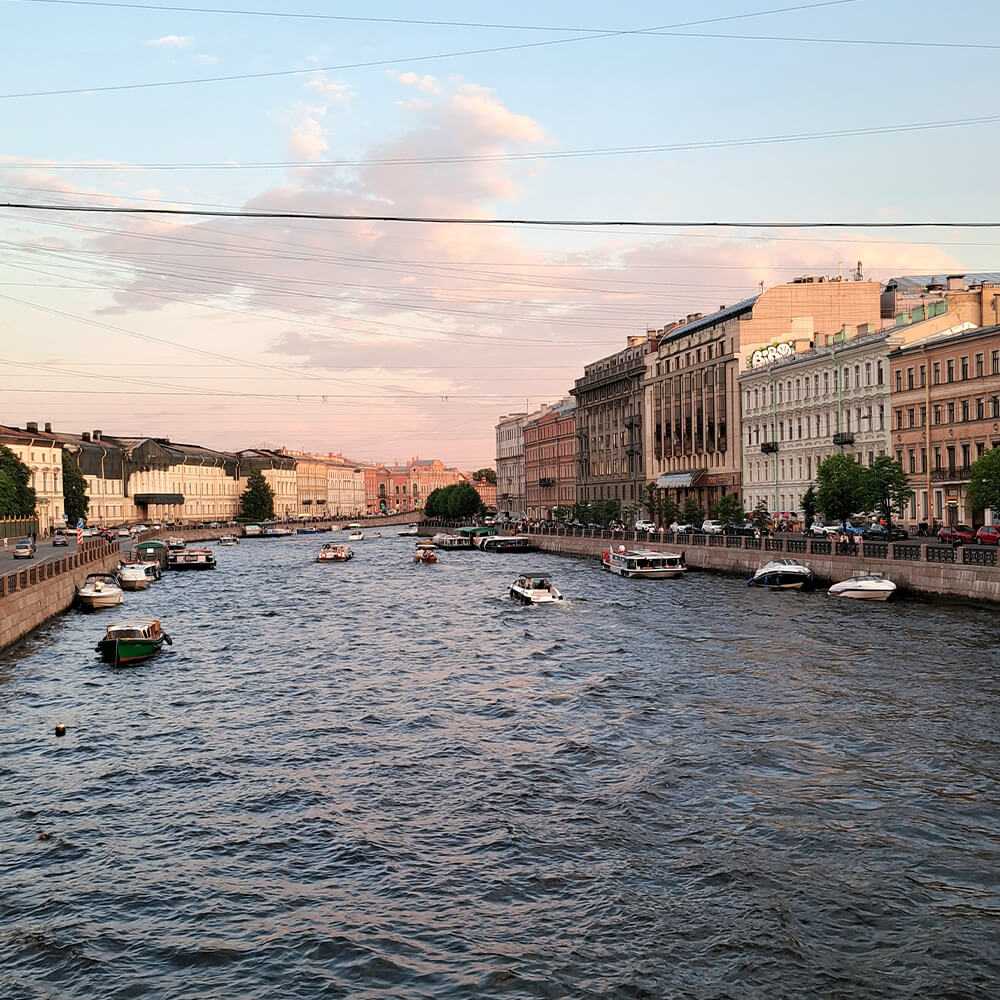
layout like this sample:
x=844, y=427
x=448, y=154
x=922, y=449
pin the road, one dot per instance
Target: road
x=46, y=552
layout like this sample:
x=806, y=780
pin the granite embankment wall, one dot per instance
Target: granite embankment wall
x=34, y=593
x=910, y=569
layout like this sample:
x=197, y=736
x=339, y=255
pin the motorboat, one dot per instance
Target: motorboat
x=133, y=641
x=335, y=553
x=100, y=590
x=643, y=563
x=356, y=536
x=444, y=540
x=310, y=531
x=252, y=531
x=229, y=540
x=133, y=576
x=408, y=531
x=534, y=588
x=354, y=526
x=507, y=543
x=191, y=559
x=174, y=543
x=334, y=527
x=425, y=543
x=868, y=587
x=375, y=534
x=424, y=555
x=278, y=532
x=782, y=574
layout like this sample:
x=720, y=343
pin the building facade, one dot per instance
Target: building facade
x=487, y=492
x=550, y=459
x=42, y=453
x=510, y=464
x=692, y=441
x=345, y=487
x=945, y=400
x=279, y=473
x=609, y=406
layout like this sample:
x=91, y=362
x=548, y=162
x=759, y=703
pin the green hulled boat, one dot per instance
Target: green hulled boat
x=132, y=642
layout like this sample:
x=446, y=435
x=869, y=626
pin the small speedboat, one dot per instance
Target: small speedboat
x=191, y=559
x=356, y=536
x=643, y=563
x=229, y=540
x=133, y=576
x=375, y=534
x=869, y=587
x=782, y=574
x=407, y=532
x=335, y=527
x=100, y=590
x=424, y=555
x=174, y=543
x=335, y=553
x=534, y=588
x=132, y=642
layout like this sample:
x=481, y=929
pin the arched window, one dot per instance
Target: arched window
x=381, y=489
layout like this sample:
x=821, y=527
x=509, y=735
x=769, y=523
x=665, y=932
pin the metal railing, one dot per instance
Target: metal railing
x=92, y=550
x=977, y=555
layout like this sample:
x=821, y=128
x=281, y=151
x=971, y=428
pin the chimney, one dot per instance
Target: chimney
x=693, y=316
x=97, y=435
x=85, y=436
x=956, y=282
x=48, y=427
x=31, y=427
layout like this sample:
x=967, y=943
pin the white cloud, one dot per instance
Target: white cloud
x=335, y=91
x=172, y=41
x=427, y=83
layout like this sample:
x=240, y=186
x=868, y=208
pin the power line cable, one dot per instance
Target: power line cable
x=466, y=221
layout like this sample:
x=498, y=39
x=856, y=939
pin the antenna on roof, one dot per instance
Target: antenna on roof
x=858, y=274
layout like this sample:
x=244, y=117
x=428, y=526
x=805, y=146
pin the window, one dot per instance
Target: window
x=826, y=382
x=995, y=362
x=909, y=378
x=965, y=409
x=881, y=374
x=936, y=370
x=951, y=370
x=951, y=413
x=899, y=380
x=923, y=416
x=847, y=377
x=979, y=365
x=965, y=368
x=909, y=417
x=923, y=376
x=881, y=418
x=868, y=373
x=913, y=461
x=899, y=418
x=980, y=410
x=937, y=413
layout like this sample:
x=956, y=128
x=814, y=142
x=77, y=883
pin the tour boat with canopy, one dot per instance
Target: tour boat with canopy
x=643, y=563
x=191, y=559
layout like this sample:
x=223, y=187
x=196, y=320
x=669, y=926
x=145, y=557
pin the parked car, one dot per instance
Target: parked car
x=988, y=534
x=880, y=533
x=746, y=530
x=820, y=530
x=644, y=526
x=688, y=529
x=956, y=534
x=124, y=533
x=24, y=549
x=59, y=539
x=711, y=527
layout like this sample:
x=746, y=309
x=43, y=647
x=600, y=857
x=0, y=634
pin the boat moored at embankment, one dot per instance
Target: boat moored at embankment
x=191, y=559
x=782, y=574
x=643, y=563
x=867, y=587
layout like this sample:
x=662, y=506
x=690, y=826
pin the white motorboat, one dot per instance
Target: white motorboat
x=534, y=588
x=868, y=587
x=356, y=536
x=174, y=543
x=407, y=532
x=354, y=526
x=229, y=540
x=335, y=553
x=100, y=590
x=443, y=540
x=375, y=534
x=782, y=574
x=191, y=559
x=643, y=563
x=133, y=576
x=335, y=527
x=278, y=532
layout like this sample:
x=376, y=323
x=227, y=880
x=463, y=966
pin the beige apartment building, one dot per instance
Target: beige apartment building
x=510, y=464
x=345, y=487
x=279, y=473
x=41, y=452
x=692, y=439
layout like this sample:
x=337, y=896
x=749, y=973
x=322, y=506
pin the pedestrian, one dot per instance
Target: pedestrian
x=34, y=537
x=5, y=543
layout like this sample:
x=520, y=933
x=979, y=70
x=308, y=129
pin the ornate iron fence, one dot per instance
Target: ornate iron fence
x=875, y=550
x=977, y=555
x=901, y=550
x=734, y=541
x=795, y=545
x=821, y=547
x=716, y=540
x=774, y=544
x=941, y=553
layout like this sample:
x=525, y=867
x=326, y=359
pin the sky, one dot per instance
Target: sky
x=392, y=340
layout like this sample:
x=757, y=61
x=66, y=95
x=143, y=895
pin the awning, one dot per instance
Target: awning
x=678, y=480
x=145, y=499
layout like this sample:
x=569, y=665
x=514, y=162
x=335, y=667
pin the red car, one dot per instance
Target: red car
x=988, y=534
x=957, y=534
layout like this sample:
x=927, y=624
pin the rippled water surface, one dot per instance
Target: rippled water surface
x=380, y=779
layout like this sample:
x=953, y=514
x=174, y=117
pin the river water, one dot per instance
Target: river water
x=380, y=779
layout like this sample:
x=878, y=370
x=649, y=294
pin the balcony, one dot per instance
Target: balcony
x=632, y=421
x=951, y=474
x=842, y=438
x=769, y=448
x=546, y=483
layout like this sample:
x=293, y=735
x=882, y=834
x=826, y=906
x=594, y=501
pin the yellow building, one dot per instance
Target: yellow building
x=279, y=473
x=41, y=452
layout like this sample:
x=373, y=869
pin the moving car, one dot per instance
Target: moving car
x=644, y=526
x=880, y=533
x=24, y=549
x=124, y=533
x=59, y=539
x=711, y=527
x=956, y=534
x=988, y=534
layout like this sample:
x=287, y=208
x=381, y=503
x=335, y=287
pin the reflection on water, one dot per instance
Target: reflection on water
x=379, y=779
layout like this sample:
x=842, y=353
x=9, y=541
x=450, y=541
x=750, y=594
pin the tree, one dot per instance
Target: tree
x=562, y=513
x=810, y=504
x=607, y=511
x=583, y=512
x=984, y=483
x=692, y=512
x=651, y=499
x=886, y=488
x=841, y=489
x=258, y=498
x=760, y=516
x=730, y=511
x=462, y=500
x=17, y=498
x=489, y=475
x=75, y=499
x=433, y=505
x=668, y=510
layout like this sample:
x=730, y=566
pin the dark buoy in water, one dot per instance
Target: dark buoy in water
x=60, y=729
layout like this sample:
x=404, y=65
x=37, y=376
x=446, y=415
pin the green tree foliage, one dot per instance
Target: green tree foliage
x=886, y=487
x=562, y=513
x=17, y=498
x=651, y=500
x=490, y=475
x=692, y=512
x=841, y=487
x=984, y=482
x=668, y=510
x=760, y=516
x=810, y=504
x=583, y=512
x=75, y=499
x=258, y=498
x=730, y=511
x=457, y=501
